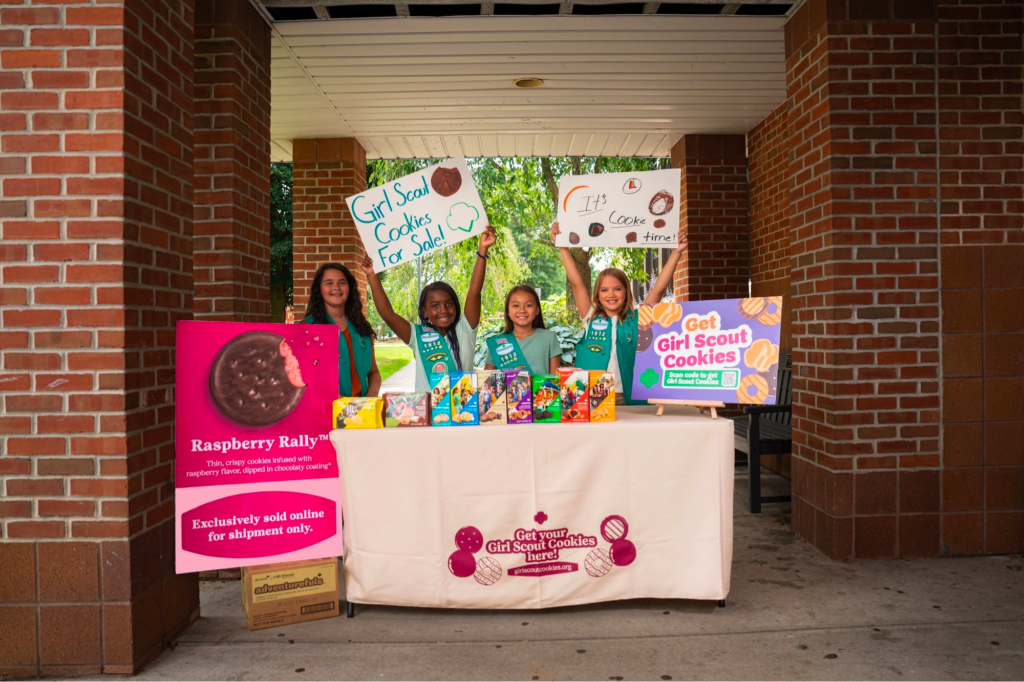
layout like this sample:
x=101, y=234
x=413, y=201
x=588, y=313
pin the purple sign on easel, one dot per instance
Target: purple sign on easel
x=726, y=351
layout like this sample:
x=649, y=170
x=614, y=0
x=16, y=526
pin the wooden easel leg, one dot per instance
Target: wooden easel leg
x=714, y=413
x=661, y=410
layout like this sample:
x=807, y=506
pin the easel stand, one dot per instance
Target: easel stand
x=700, y=404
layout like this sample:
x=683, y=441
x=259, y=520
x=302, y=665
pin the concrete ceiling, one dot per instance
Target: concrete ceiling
x=614, y=85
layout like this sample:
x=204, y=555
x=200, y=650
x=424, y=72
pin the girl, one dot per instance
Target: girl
x=525, y=343
x=610, y=341
x=334, y=299
x=445, y=339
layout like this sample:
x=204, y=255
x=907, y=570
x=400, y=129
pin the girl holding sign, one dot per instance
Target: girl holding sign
x=334, y=299
x=525, y=343
x=445, y=338
x=611, y=317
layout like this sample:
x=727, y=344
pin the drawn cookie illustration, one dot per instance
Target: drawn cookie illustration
x=644, y=338
x=659, y=223
x=772, y=314
x=761, y=355
x=631, y=238
x=667, y=313
x=446, y=181
x=661, y=203
x=574, y=238
x=645, y=316
x=595, y=229
x=750, y=308
x=255, y=380
x=753, y=390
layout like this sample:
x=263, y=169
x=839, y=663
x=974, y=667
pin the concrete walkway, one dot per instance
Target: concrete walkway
x=791, y=615
x=402, y=381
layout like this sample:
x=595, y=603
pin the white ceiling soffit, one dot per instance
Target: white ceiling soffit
x=436, y=87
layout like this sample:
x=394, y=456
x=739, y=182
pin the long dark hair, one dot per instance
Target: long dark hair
x=353, y=306
x=453, y=338
x=538, y=322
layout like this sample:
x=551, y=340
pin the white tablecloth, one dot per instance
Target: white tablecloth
x=662, y=485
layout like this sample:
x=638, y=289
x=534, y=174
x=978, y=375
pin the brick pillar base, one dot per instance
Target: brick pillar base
x=232, y=162
x=96, y=223
x=713, y=210
x=325, y=172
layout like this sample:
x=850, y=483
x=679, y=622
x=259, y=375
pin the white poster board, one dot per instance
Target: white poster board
x=418, y=213
x=635, y=209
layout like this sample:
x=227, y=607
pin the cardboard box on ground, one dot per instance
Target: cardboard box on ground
x=291, y=592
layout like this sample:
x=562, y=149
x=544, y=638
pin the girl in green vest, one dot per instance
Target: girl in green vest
x=524, y=343
x=611, y=317
x=445, y=338
x=334, y=299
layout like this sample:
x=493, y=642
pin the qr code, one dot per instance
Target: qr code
x=729, y=380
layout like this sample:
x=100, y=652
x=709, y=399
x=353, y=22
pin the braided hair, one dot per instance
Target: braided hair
x=453, y=339
x=317, y=309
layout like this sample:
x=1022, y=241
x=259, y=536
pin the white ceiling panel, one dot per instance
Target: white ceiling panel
x=434, y=87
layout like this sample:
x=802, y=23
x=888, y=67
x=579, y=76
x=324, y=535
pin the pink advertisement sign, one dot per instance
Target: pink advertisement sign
x=256, y=477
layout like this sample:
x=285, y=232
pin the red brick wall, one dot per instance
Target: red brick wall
x=325, y=171
x=768, y=158
x=982, y=169
x=232, y=169
x=886, y=463
x=713, y=211
x=96, y=132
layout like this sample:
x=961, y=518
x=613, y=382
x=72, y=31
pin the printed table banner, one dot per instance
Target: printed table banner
x=419, y=213
x=256, y=478
x=726, y=350
x=635, y=209
x=514, y=517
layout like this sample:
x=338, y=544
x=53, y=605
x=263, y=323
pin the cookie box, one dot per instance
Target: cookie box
x=289, y=593
x=546, y=399
x=406, y=409
x=358, y=413
x=602, y=396
x=465, y=407
x=492, y=397
x=574, y=393
x=519, y=397
x=440, y=399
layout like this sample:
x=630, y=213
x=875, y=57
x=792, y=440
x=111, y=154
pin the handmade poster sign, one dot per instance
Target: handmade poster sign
x=639, y=209
x=725, y=351
x=256, y=478
x=417, y=214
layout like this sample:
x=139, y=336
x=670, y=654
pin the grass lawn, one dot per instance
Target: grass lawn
x=392, y=357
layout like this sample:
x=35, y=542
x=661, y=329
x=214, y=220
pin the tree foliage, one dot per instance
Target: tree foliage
x=280, y=239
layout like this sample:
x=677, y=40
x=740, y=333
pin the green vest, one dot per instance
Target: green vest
x=362, y=353
x=506, y=353
x=593, y=352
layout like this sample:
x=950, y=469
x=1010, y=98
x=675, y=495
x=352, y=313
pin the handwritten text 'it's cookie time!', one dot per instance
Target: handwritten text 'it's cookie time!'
x=702, y=343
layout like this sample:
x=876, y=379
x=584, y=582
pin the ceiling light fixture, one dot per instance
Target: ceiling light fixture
x=528, y=82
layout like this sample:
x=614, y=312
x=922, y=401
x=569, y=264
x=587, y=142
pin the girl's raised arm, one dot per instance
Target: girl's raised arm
x=476, y=282
x=572, y=272
x=398, y=324
x=667, y=272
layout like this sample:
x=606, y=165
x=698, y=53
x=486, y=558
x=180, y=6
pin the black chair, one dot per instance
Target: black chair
x=766, y=430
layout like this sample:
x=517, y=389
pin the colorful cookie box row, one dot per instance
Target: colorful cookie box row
x=487, y=397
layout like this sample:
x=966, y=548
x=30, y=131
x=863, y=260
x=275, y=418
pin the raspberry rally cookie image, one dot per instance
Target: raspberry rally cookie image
x=772, y=314
x=751, y=308
x=256, y=380
x=661, y=203
x=761, y=355
x=753, y=390
x=446, y=181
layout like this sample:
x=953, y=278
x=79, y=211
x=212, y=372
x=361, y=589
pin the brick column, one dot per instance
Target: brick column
x=232, y=162
x=982, y=234
x=713, y=210
x=96, y=224
x=325, y=171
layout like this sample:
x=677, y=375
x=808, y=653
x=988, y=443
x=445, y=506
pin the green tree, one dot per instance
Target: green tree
x=280, y=239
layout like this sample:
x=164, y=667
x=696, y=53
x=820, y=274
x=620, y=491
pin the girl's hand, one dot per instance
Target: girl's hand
x=683, y=241
x=555, y=231
x=487, y=239
x=367, y=266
